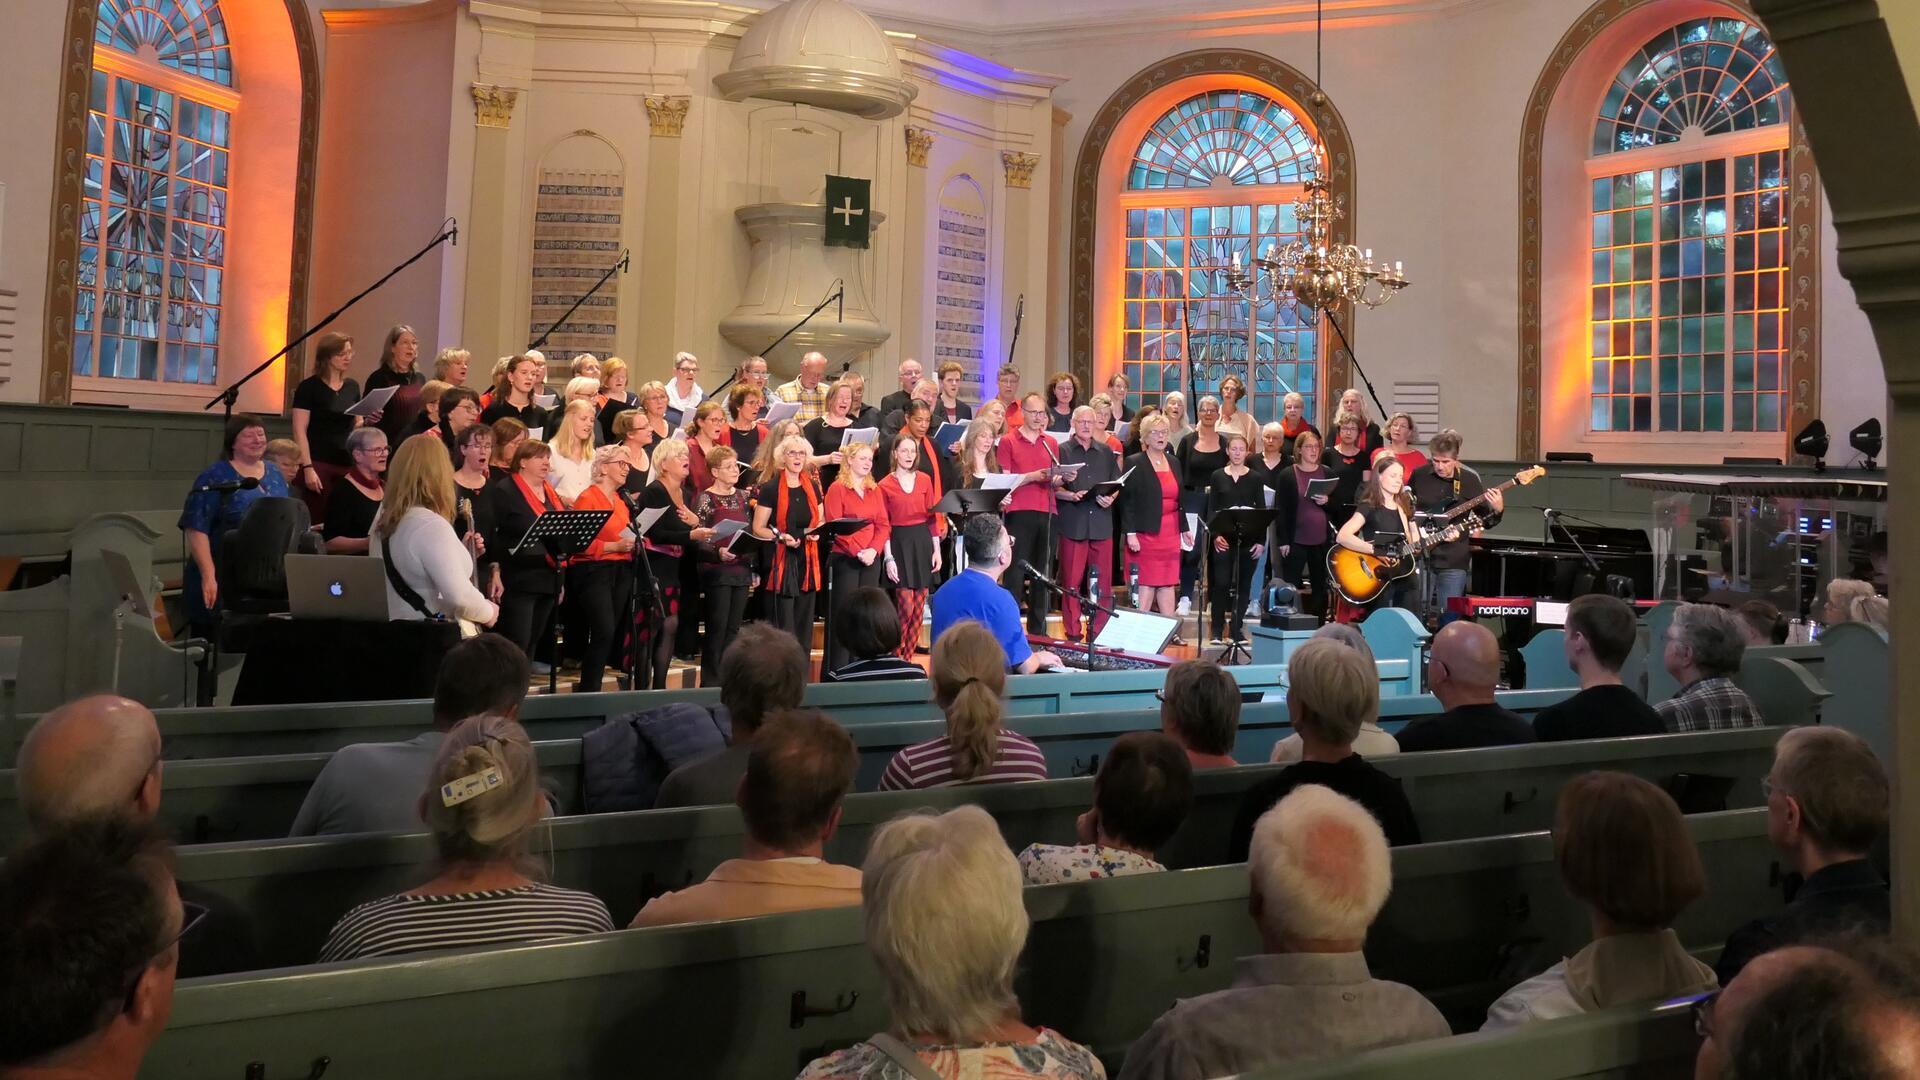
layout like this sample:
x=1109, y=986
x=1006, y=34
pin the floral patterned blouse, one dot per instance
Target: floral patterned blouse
x=1051, y=1056
x=1051, y=864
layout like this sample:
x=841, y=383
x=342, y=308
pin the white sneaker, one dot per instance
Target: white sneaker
x=1253, y=610
x=1186, y=607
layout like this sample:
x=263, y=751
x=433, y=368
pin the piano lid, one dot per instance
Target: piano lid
x=1791, y=487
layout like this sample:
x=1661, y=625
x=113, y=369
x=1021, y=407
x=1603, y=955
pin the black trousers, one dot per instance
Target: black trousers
x=1306, y=564
x=686, y=640
x=726, y=607
x=846, y=574
x=597, y=593
x=794, y=614
x=1227, y=603
x=1031, y=531
x=522, y=615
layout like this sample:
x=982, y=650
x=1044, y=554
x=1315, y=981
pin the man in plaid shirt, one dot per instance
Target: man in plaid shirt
x=1703, y=650
x=810, y=389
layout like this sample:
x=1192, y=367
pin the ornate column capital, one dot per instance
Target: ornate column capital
x=1019, y=167
x=919, y=142
x=667, y=114
x=493, y=105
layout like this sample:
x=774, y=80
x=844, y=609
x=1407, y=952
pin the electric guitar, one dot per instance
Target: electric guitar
x=1359, y=577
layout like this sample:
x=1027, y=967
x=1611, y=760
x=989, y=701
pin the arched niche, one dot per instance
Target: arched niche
x=578, y=231
x=962, y=243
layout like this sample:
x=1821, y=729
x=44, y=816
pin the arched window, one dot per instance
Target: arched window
x=153, y=223
x=1214, y=175
x=1689, y=299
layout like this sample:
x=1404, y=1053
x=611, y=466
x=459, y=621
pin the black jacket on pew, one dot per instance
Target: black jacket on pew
x=1848, y=897
x=1352, y=776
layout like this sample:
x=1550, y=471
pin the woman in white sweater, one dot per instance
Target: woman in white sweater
x=415, y=532
x=573, y=450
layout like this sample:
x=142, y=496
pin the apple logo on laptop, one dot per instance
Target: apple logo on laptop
x=335, y=589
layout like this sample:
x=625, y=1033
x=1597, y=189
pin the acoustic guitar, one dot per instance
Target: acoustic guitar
x=1360, y=577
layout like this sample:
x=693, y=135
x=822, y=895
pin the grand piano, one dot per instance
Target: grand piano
x=1580, y=559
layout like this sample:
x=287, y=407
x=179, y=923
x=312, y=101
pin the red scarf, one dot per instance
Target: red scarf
x=366, y=481
x=810, y=582
x=526, y=492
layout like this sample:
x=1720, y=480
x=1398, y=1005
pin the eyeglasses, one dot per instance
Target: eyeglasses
x=1703, y=1014
x=1160, y=696
x=1766, y=787
x=191, y=916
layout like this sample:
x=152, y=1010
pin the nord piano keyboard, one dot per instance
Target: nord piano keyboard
x=1540, y=612
x=1074, y=655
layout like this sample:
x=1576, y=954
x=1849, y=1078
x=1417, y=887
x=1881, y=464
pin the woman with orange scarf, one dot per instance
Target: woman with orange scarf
x=597, y=580
x=789, y=508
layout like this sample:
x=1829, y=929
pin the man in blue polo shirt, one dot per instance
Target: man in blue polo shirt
x=975, y=594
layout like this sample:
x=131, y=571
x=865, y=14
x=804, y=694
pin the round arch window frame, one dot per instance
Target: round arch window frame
x=1560, y=114
x=1096, y=254
x=56, y=372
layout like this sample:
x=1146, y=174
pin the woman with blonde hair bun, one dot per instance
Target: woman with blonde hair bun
x=969, y=685
x=482, y=805
x=414, y=532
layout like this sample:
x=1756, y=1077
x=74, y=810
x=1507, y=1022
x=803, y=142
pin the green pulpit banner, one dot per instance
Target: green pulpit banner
x=849, y=218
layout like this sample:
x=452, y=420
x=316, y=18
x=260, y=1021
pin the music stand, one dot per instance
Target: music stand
x=1242, y=527
x=825, y=535
x=564, y=534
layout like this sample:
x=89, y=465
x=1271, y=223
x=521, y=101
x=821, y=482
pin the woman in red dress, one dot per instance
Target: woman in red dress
x=1153, y=521
x=913, y=551
x=857, y=556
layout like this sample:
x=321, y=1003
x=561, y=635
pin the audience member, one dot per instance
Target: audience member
x=1763, y=623
x=1623, y=851
x=1200, y=710
x=946, y=925
x=1463, y=668
x=762, y=672
x=1141, y=794
x=1848, y=1007
x=1875, y=611
x=1331, y=691
x=1842, y=596
x=91, y=931
x=869, y=626
x=1373, y=740
x=969, y=683
x=975, y=594
x=1702, y=651
x=800, y=766
x=99, y=757
x=1320, y=874
x=1600, y=633
x=1827, y=807
x=375, y=787
x=482, y=804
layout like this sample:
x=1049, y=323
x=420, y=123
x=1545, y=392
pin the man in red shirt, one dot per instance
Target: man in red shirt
x=1032, y=453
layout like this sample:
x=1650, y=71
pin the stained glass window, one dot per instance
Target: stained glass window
x=1689, y=254
x=1708, y=75
x=153, y=226
x=1223, y=136
x=186, y=35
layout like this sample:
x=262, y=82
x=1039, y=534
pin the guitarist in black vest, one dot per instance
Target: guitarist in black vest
x=1381, y=525
x=1439, y=485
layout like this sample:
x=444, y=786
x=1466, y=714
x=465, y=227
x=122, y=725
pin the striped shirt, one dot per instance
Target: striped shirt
x=409, y=924
x=877, y=669
x=930, y=764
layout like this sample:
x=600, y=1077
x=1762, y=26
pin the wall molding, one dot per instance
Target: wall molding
x=1085, y=193
x=1802, y=374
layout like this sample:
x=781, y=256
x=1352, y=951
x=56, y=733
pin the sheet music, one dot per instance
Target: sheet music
x=725, y=530
x=948, y=434
x=535, y=434
x=374, y=402
x=546, y=401
x=999, y=481
x=1321, y=485
x=860, y=436
x=649, y=517
x=781, y=410
x=1066, y=471
x=1192, y=532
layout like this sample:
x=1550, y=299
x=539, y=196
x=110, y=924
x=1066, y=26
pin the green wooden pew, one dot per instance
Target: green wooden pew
x=758, y=997
x=296, y=888
x=1857, y=666
x=1633, y=1043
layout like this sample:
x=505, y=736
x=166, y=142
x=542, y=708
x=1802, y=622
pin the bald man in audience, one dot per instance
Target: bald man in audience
x=1320, y=874
x=99, y=758
x=1849, y=1007
x=1463, y=667
x=800, y=766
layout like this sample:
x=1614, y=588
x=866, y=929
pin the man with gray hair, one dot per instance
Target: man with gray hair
x=1320, y=873
x=98, y=759
x=1827, y=806
x=810, y=389
x=1703, y=650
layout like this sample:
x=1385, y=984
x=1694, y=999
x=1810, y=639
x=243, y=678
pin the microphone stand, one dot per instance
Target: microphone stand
x=621, y=264
x=231, y=395
x=1351, y=355
x=838, y=294
x=1092, y=600
x=1553, y=518
x=642, y=572
x=1019, y=316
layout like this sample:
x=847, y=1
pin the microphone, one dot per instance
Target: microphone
x=454, y=233
x=227, y=487
x=840, y=303
x=1043, y=579
x=1093, y=585
x=1550, y=512
x=626, y=260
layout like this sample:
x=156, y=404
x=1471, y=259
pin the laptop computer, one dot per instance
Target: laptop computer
x=352, y=587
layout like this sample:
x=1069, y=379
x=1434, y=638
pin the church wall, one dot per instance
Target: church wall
x=1433, y=102
x=31, y=53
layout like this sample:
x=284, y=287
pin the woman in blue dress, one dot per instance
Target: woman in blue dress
x=210, y=513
